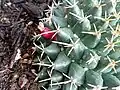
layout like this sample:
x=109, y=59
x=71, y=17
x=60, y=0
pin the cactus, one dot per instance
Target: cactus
x=86, y=52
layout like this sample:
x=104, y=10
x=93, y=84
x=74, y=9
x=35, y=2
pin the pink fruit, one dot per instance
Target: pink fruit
x=46, y=32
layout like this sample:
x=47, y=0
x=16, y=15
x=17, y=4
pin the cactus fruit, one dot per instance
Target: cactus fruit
x=46, y=32
x=81, y=50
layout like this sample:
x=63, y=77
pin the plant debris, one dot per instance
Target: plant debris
x=18, y=22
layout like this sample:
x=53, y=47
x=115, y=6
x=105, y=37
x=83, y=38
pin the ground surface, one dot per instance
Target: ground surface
x=15, y=34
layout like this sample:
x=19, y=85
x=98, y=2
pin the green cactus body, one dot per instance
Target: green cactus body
x=86, y=52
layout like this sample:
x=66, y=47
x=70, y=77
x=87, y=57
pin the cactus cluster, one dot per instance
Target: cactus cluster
x=85, y=54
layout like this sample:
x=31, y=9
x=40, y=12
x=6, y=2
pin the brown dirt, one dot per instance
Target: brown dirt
x=15, y=33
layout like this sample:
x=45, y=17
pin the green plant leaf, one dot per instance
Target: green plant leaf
x=86, y=26
x=94, y=78
x=59, y=12
x=61, y=21
x=91, y=41
x=56, y=76
x=67, y=87
x=77, y=51
x=77, y=73
x=54, y=88
x=110, y=80
x=52, y=51
x=90, y=59
x=65, y=34
x=62, y=62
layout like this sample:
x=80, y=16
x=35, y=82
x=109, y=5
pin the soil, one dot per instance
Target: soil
x=18, y=22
